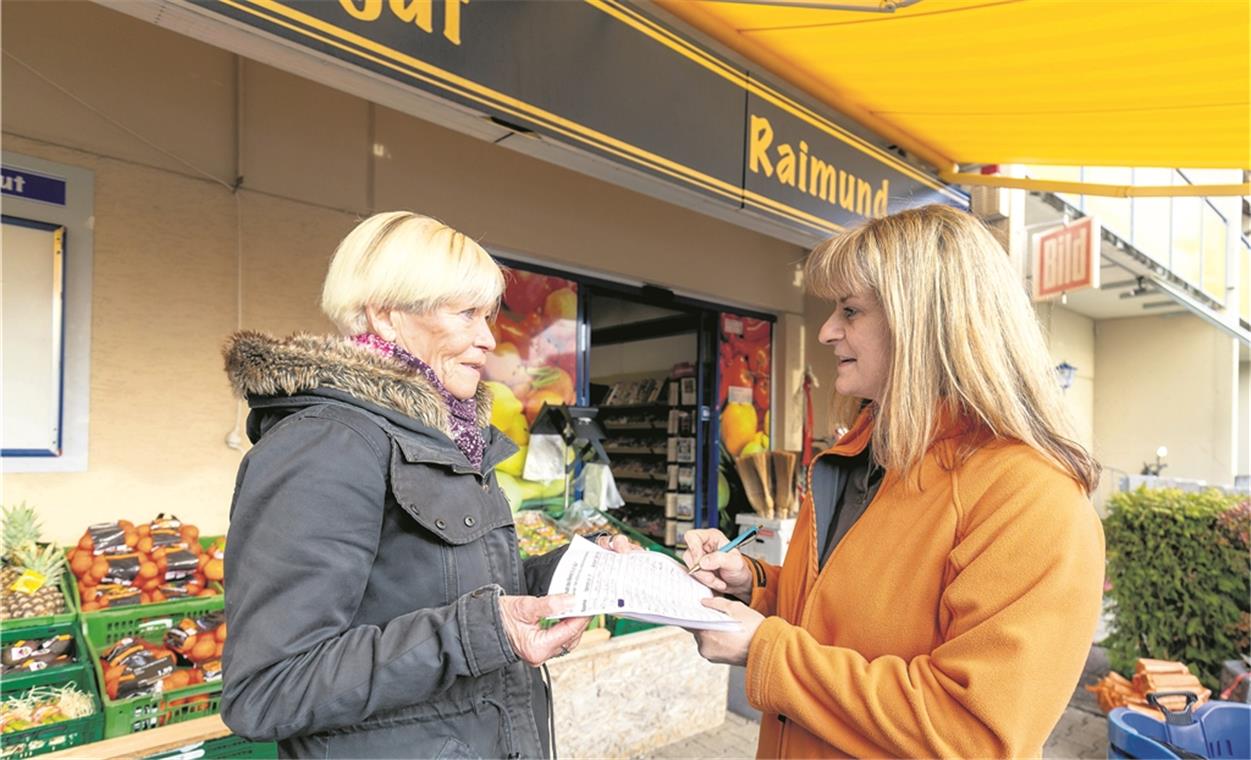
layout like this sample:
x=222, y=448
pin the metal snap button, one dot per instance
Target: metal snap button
x=469, y=521
x=486, y=485
x=440, y=523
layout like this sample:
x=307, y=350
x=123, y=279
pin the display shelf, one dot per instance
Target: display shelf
x=635, y=427
x=635, y=451
x=644, y=503
x=662, y=478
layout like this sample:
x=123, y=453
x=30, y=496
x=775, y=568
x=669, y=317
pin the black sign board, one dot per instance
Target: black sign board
x=603, y=77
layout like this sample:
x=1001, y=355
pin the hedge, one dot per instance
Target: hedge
x=1179, y=571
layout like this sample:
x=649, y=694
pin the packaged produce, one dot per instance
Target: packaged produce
x=133, y=666
x=31, y=573
x=200, y=640
x=30, y=655
x=44, y=705
x=118, y=564
x=538, y=534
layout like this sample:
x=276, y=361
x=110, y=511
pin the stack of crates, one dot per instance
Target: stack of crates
x=62, y=734
x=121, y=717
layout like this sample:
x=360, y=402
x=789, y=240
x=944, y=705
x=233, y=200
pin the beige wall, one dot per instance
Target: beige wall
x=168, y=238
x=1071, y=338
x=1168, y=381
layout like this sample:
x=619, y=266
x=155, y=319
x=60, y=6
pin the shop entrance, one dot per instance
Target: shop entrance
x=680, y=384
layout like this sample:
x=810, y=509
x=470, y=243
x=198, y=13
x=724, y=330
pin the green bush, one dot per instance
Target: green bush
x=1179, y=571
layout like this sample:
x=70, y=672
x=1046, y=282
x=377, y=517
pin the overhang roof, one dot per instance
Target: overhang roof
x=1077, y=83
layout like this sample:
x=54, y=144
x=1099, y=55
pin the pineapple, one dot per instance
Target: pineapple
x=18, y=526
x=21, y=552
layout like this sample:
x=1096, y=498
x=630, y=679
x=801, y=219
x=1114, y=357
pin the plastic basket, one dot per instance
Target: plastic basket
x=127, y=716
x=170, y=607
x=10, y=634
x=56, y=736
x=70, y=590
x=232, y=747
x=1220, y=730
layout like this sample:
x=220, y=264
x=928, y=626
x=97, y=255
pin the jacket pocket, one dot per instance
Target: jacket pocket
x=457, y=505
x=455, y=749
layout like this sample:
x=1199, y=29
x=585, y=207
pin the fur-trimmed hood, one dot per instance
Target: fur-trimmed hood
x=262, y=365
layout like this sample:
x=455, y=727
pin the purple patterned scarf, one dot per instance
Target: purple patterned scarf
x=462, y=414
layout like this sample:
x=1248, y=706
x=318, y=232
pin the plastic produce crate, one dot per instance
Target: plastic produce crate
x=69, y=588
x=149, y=621
x=12, y=633
x=170, y=607
x=55, y=736
x=233, y=747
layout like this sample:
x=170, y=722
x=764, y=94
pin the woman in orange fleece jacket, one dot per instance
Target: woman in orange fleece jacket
x=944, y=580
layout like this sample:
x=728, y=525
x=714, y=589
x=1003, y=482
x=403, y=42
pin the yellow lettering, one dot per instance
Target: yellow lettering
x=761, y=138
x=864, y=198
x=881, y=200
x=369, y=10
x=786, y=165
x=824, y=180
x=451, y=20
x=803, y=166
x=847, y=191
x=419, y=11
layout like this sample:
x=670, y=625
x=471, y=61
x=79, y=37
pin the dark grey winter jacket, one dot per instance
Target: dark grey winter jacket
x=365, y=560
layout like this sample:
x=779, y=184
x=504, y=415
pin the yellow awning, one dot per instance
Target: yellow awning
x=1149, y=83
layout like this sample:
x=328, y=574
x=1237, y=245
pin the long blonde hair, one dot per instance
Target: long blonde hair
x=965, y=339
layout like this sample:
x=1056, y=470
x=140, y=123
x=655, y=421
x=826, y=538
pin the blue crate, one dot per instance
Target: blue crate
x=1220, y=730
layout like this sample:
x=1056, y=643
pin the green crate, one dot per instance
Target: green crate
x=69, y=588
x=12, y=633
x=624, y=627
x=171, y=607
x=225, y=748
x=149, y=621
x=57, y=736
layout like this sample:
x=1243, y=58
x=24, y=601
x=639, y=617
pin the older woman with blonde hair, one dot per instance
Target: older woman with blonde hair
x=377, y=603
x=944, y=579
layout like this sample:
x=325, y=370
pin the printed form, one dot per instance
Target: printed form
x=645, y=586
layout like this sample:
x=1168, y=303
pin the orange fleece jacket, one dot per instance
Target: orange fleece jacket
x=953, y=621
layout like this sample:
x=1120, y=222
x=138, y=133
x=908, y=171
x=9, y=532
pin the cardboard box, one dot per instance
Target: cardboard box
x=772, y=539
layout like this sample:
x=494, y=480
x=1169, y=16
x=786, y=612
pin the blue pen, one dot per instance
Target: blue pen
x=750, y=534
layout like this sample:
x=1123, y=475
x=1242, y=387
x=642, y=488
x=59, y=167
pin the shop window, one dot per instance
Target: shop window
x=1187, y=230
x=1246, y=280
x=45, y=275
x=534, y=362
x=1059, y=174
x=1113, y=213
x=1214, y=239
x=1151, y=233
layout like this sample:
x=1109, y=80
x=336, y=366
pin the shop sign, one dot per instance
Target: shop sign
x=1066, y=259
x=32, y=186
x=602, y=77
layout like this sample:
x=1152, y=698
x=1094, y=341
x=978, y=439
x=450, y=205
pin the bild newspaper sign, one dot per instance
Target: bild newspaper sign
x=1066, y=259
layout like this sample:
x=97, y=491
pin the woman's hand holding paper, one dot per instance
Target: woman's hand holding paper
x=729, y=647
x=619, y=543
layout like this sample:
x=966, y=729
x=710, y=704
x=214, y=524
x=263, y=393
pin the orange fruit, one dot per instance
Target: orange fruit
x=204, y=649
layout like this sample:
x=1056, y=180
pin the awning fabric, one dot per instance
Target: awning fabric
x=1150, y=83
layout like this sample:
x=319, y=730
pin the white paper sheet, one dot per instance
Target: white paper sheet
x=645, y=586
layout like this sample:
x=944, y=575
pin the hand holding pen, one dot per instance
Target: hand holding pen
x=715, y=561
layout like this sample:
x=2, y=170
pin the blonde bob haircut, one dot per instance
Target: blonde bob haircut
x=964, y=339
x=402, y=260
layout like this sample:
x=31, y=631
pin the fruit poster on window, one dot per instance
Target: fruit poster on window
x=534, y=362
x=746, y=348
